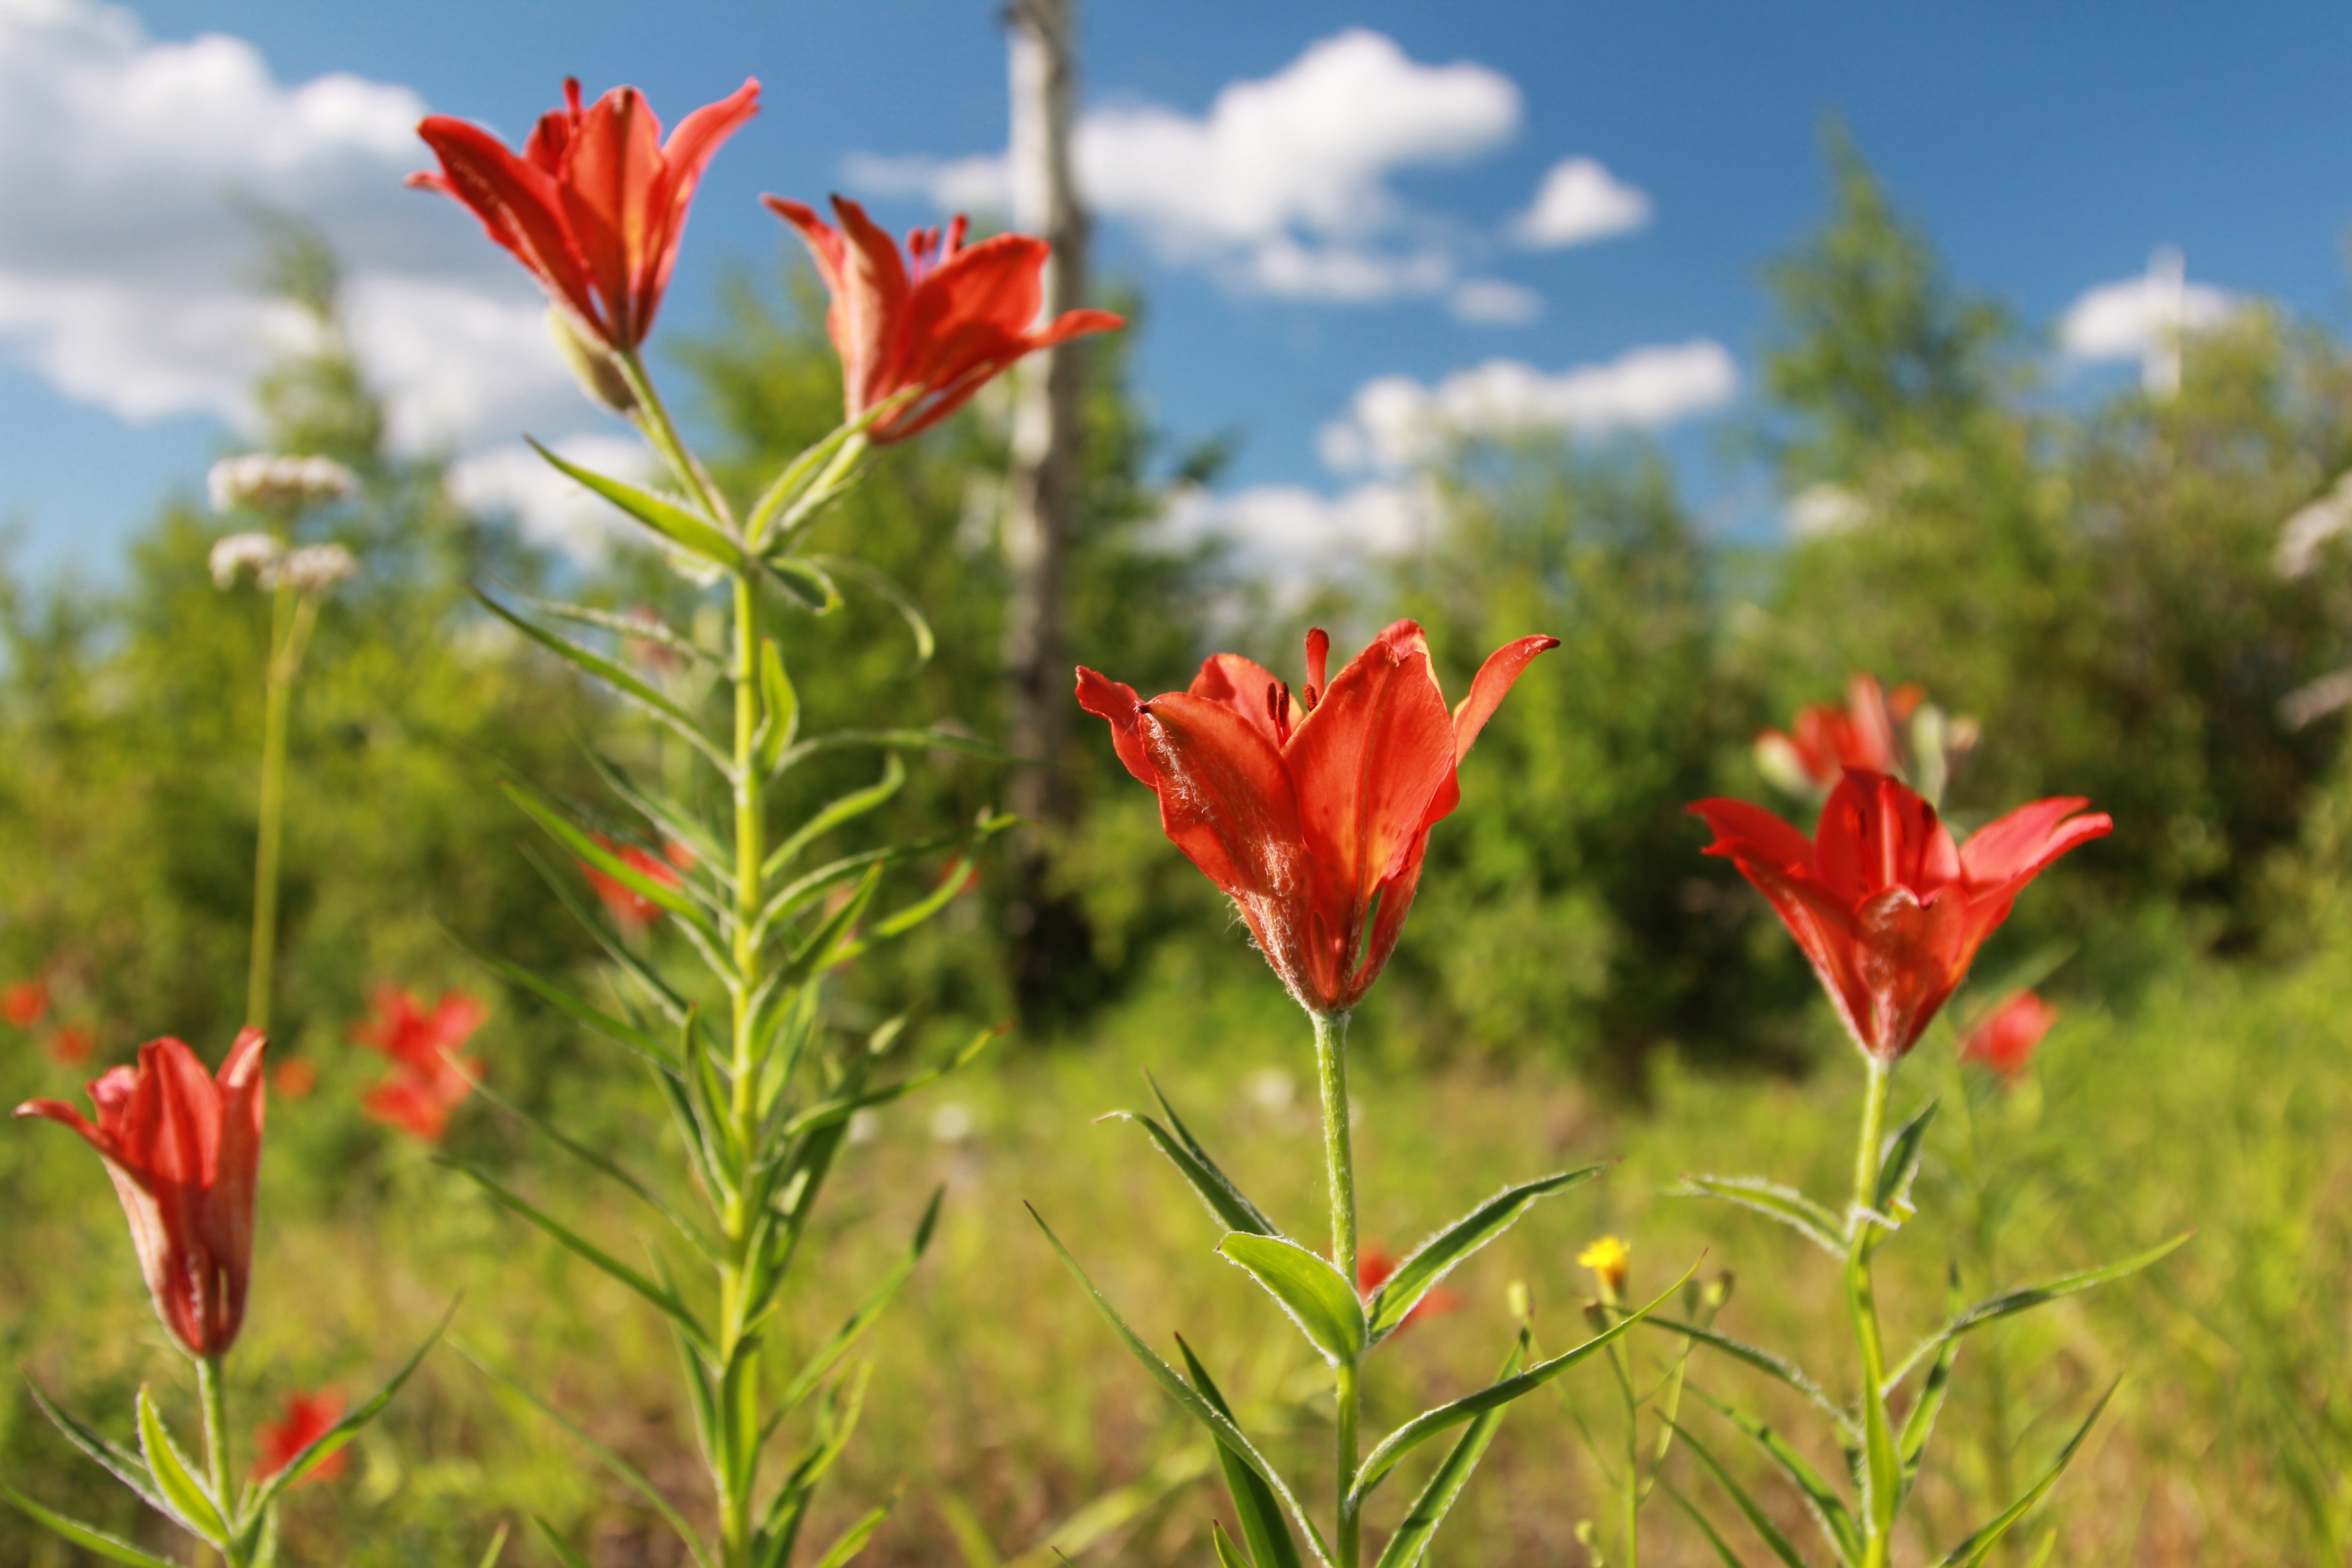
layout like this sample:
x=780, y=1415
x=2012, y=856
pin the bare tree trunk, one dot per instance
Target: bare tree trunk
x=1041, y=490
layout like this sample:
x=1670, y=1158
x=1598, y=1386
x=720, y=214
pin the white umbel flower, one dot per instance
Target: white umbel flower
x=275, y=484
x=316, y=568
x=236, y=554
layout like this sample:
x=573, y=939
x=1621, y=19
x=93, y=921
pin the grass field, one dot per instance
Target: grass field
x=1000, y=1409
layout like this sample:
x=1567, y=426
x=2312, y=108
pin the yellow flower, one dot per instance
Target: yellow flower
x=1608, y=1258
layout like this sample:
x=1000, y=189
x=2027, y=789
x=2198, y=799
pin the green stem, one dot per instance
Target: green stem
x=210, y=1394
x=1340, y=1161
x=1882, y=1463
x=739, y=1423
x=292, y=617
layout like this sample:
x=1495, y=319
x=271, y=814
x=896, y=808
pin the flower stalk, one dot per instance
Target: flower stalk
x=1339, y=1170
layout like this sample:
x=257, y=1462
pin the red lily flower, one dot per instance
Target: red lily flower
x=1888, y=909
x=1310, y=812
x=25, y=1003
x=307, y=1418
x=429, y=1079
x=1373, y=1267
x=948, y=318
x=632, y=908
x=596, y=204
x=2004, y=1039
x=185, y=1150
x=1829, y=738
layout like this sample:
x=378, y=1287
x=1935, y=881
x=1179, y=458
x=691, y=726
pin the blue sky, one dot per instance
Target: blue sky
x=1339, y=204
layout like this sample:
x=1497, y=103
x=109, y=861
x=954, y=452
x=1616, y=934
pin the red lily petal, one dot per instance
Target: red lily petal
x=1875, y=834
x=1745, y=832
x=1226, y=798
x=518, y=205
x=1117, y=701
x=1491, y=685
x=611, y=176
x=2022, y=843
x=1369, y=761
x=1240, y=684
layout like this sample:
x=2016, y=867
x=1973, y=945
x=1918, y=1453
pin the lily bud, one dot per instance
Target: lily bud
x=590, y=362
x=280, y=485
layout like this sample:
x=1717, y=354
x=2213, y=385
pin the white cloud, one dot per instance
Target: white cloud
x=128, y=275
x=1395, y=423
x=1491, y=301
x=2127, y=320
x=1579, y=201
x=1284, y=183
x=549, y=509
x=1294, y=536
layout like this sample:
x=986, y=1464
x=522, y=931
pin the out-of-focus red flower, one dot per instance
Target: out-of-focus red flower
x=2004, y=1039
x=429, y=1080
x=307, y=1419
x=294, y=1079
x=596, y=204
x=1373, y=1269
x=1889, y=911
x=185, y=1150
x=632, y=908
x=25, y=1003
x=948, y=318
x=1310, y=811
x=1829, y=738
x=69, y=1045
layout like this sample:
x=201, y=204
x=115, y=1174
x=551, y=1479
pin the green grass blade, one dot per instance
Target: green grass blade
x=1977, y=1547
x=1787, y=1205
x=1713, y=1538
x=1779, y=1545
x=88, y=1537
x=854, y=1540
x=1268, y=1537
x=635, y=1478
x=497, y=1548
x=1429, y=1423
x=187, y=1498
x=668, y=1304
x=1319, y=1298
x=1220, y=1426
x=607, y=1167
x=1407, y=1546
x=557, y=1544
x=1435, y=1258
x=1921, y=1420
x=687, y=530
x=1228, y=1554
x=1764, y=1360
x=2011, y=1302
x=1214, y=1189
x=1822, y=1499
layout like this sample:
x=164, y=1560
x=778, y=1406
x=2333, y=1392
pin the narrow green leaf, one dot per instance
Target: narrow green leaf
x=330, y=1442
x=815, y=464
x=1429, y=1423
x=88, y=1537
x=1758, y=1519
x=187, y=1498
x=1228, y=1554
x=1437, y=1257
x=1224, y=1200
x=646, y=1047
x=124, y=1463
x=585, y=847
x=1828, y=1509
x=2032, y=1296
x=898, y=739
x=1220, y=1426
x=557, y=1544
x=1411, y=1542
x=856, y=803
x=804, y=890
x=1977, y=1547
x=887, y=588
x=671, y=820
x=780, y=703
x=1900, y=1166
x=673, y=522
x=623, y=680
x=1713, y=1538
x=1765, y=1362
x=497, y=1548
x=639, y=625
x=1882, y=1466
x=562, y=884
x=628, y=1473
x=804, y=584
x=1318, y=1297
x=1254, y=1501
x=606, y=1166
x=837, y=1110
x=669, y=1305
x=829, y=1353
x=1787, y=1205
x=854, y=1540
x=1921, y=1421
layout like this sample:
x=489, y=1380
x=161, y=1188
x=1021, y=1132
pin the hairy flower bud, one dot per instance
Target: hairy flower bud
x=235, y=553
x=592, y=364
x=279, y=485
